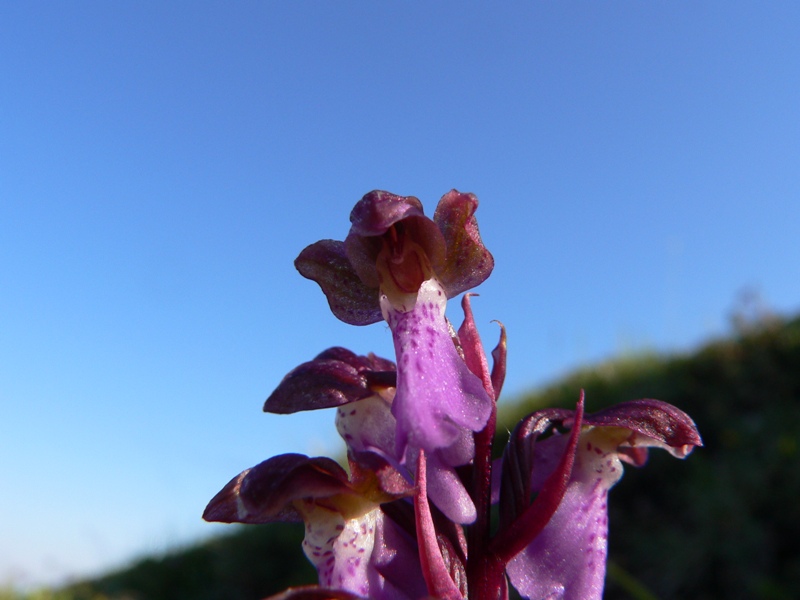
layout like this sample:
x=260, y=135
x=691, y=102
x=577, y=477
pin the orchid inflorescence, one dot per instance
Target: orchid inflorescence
x=413, y=517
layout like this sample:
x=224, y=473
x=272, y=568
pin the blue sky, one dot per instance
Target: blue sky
x=162, y=164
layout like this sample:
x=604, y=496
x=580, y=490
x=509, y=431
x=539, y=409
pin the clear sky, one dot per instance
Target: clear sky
x=162, y=164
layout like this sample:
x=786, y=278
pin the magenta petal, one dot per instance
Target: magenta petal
x=567, y=560
x=447, y=492
x=396, y=559
x=437, y=396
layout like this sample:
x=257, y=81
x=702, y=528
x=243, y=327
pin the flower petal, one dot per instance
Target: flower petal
x=467, y=263
x=437, y=395
x=567, y=560
x=447, y=492
x=335, y=377
x=377, y=211
x=373, y=216
x=350, y=300
x=340, y=548
x=265, y=493
x=656, y=423
x=396, y=558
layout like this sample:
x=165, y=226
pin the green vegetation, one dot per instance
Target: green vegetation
x=725, y=523
x=252, y=563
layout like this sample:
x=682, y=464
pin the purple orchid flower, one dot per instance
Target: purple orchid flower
x=567, y=559
x=355, y=547
x=401, y=265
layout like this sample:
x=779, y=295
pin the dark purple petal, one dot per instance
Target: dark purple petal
x=265, y=493
x=335, y=377
x=350, y=300
x=373, y=216
x=468, y=263
x=653, y=419
x=319, y=383
x=437, y=396
x=377, y=211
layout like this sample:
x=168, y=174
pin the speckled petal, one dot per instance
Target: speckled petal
x=340, y=548
x=368, y=426
x=437, y=396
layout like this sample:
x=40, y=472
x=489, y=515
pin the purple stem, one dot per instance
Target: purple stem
x=436, y=574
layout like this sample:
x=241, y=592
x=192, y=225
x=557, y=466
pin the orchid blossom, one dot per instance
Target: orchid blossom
x=413, y=517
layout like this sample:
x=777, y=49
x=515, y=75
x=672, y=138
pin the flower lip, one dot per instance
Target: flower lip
x=438, y=397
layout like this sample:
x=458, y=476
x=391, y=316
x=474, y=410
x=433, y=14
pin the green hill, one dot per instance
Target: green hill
x=723, y=524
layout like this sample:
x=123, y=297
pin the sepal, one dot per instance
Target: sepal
x=467, y=261
x=334, y=377
x=350, y=300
